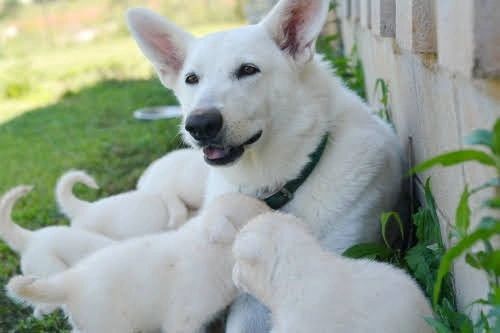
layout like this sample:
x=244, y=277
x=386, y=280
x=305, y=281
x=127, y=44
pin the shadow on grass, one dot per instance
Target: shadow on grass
x=92, y=129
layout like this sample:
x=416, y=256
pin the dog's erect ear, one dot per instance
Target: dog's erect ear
x=163, y=43
x=295, y=25
x=221, y=231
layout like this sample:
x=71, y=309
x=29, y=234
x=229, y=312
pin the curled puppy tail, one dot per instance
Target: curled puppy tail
x=35, y=291
x=68, y=203
x=15, y=236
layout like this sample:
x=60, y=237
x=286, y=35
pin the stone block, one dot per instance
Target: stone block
x=415, y=25
x=383, y=17
x=469, y=37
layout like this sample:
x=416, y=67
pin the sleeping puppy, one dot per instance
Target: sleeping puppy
x=175, y=281
x=169, y=189
x=48, y=250
x=309, y=289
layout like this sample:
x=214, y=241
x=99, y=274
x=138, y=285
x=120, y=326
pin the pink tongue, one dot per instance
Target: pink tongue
x=213, y=153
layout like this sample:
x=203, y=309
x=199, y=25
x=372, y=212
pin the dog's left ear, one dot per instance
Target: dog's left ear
x=221, y=231
x=295, y=24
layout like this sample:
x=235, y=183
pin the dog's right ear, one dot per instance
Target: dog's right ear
x=162, y=42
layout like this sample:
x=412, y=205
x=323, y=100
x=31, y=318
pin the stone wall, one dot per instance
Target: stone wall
x=441, y=61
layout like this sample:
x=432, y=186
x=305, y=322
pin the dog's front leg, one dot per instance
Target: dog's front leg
x=247, y=315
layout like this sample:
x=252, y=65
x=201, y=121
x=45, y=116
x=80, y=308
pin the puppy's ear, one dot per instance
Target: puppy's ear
x=163, y=43
x=221, y=231
x=295, y=24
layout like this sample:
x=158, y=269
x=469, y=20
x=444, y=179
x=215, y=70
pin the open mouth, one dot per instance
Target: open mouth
x=223, y=155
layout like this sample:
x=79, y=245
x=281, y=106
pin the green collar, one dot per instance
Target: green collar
x=285, y=194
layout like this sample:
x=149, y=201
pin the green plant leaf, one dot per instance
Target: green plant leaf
x=493, y=203
x=480, y=137
x=368, y=250
x=482, y=324
x=462, y=215
x=496, y=137
x=426, y=220
x=385, y=218
x=486, y=229
x=494, y=296
x=494, y=182
x=453, y=319
x=488, y=222
x=490, y=261
x=438, y=325
x=472, y=261
x=453, y=158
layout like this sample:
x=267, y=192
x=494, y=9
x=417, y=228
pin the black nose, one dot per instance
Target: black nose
x=204, y=125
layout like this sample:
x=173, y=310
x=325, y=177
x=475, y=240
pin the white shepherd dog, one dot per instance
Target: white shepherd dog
x=258, y=102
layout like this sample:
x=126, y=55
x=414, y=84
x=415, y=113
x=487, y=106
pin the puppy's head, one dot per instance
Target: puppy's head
x=266, y=250
x=227, y=214
x=236, y=87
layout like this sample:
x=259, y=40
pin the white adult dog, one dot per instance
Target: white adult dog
x=169, y=189
x=178, y=280
x=309, y=289
x=258, y=101
x=48, y=250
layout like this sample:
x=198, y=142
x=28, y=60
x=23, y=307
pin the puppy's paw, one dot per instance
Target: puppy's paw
x=17, y=285
x=248, y=246
x=221, y=231
x=178, y=212
x=239, y=277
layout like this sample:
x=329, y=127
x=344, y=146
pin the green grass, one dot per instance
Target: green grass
x=41, y=78
x=93, y=130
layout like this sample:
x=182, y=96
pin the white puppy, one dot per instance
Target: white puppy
x=175, y=281
x=309, y=289
x=169, y=189
x=48, y=250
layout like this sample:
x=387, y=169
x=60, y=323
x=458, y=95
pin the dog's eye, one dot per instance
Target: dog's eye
x=247, y=70
x=192, y=78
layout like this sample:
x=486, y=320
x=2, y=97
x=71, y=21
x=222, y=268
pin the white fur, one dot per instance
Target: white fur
x=294, y=100
x=175, y=281
x=169, y=189
x=48, y=250
x=311, y=290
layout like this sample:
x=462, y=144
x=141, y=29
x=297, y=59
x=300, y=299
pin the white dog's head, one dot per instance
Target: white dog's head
x=237, y=88
x=267, y=250
x=228, y=213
